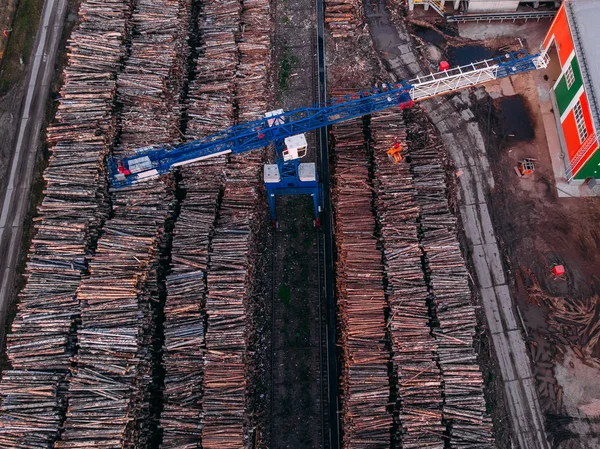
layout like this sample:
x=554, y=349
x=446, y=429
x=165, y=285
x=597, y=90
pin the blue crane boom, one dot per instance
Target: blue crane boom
x=151, y=162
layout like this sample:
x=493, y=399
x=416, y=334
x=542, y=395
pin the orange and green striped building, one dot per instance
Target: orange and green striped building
x=573, y=39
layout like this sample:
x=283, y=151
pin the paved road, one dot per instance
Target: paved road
x=15, y=199
x=465, y=143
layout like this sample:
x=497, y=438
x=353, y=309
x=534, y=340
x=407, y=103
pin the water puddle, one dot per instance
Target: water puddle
x=429, y=35
x=514, y=119
x=469, y=53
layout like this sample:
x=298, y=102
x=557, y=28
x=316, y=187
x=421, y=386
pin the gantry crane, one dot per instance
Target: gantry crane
x=286, y=130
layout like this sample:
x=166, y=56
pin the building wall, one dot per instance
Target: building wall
x=582, y=144
x=493, y=6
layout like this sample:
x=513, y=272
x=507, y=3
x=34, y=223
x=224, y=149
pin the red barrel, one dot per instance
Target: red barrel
x=444, y=65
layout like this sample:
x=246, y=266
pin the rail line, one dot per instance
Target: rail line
x=324, y=303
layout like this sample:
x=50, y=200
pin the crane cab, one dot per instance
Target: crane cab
x=295, y=147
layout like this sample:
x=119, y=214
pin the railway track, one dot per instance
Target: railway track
x=295, y=220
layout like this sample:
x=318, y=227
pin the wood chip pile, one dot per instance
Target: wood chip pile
x=150, y=86
x=361, y=301
x=464, y=403
x=414, y=348
x=343, y=17
x=212, y=93
x=184, y=348
x=69, y=218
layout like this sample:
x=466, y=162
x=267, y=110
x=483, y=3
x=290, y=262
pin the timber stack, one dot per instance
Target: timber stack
x=343, y=17
x=253, y=79
x=229, y=284
x=150, y=86
x=109, y=389
x=464, y=408
x=361, y=300
x=212, y=93
x=210, y=107
x=414, y=348
x=42, y=338
x=109, y=392
x=184, y=326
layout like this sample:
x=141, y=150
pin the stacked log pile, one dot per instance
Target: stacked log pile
x=343, y=17
x=361, y=300
x=108, y=393
x=212, y=93
x=67, y=224
x=183, y=351
x=253, y=80
x=150, y=86
x=414, y=348
x=464, y=404
x=229, y=283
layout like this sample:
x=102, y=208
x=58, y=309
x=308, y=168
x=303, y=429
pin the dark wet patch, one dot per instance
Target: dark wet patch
x=515, y=120
x=469, y=53
x=429, y=35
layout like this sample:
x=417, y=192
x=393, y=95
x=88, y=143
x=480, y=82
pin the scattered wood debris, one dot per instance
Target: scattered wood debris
x=343, y=17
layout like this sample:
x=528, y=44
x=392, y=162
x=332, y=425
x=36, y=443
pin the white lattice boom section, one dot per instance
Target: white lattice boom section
x=469, y=75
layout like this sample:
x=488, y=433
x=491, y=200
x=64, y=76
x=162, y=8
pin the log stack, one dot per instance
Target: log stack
x=343, y=17
x=109, y=392
x=68, y=221
x=109, y=389
x=229, y=284
x=253, y=80
x=212, y=93
x=362, y=303
x=150, y=86
x=413, y=345
x=448, y=279
x=184, y=348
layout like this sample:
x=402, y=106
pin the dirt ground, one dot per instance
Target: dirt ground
x=538, y=230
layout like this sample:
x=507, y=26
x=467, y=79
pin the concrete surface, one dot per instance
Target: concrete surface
x=15, y=201
x=476, y=179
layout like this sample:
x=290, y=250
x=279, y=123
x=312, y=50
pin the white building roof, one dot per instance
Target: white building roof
x=584, y=22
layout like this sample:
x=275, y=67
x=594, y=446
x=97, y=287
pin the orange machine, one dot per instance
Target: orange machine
x=394, y=153
x=525, y=167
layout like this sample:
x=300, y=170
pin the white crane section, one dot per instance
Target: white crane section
x=470, y=75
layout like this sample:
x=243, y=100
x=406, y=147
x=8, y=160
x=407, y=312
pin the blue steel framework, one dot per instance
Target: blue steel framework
x=259, y=133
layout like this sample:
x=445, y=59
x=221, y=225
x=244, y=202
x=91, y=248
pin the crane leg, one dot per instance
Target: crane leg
x=317, y=204
x=272, y=209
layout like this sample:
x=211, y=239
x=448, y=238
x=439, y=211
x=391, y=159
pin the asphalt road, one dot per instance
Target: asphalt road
x=15, y=199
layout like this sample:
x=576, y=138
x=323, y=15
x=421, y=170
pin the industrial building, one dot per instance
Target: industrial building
x=572, y=43
x=477, y=6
